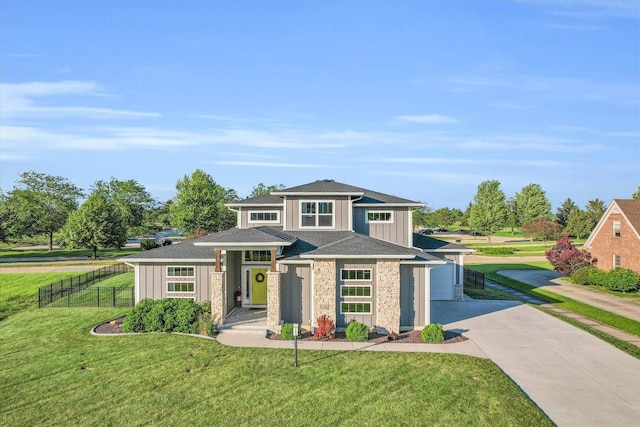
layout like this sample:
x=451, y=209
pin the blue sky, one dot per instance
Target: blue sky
x=421, y=99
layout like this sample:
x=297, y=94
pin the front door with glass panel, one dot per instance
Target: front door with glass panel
x=255, y=285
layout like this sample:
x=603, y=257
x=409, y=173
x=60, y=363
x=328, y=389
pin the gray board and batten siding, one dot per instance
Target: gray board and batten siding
x=397, y=231
x=153, y=281
x=245, y=219
x=341, y=207
x=295, y=294
x=414, y=296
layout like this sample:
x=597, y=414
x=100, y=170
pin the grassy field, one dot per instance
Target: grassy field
x=55, y=373
x=7, y=254
x=487, y=293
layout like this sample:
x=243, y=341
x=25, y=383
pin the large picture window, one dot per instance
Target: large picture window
x=316, y=214
x=180, y=271
x=264, y=216
x=181, y=287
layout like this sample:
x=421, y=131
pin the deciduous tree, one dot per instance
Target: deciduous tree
x=636, y=195
x=98, y=224
x=131, y=199
x=489, y=209
x=579, y=223
x=566, y=258
x=261, y=189
x=531, y=203
x=200, y=203
x=40, y=204
x=542, y=228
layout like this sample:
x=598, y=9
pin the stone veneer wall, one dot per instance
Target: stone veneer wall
x=324, y=291
x=273, y=299
x=218, y=297
x=388, y=296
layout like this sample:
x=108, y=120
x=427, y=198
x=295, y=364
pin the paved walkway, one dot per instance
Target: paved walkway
x=574, y=377
x=551, y=281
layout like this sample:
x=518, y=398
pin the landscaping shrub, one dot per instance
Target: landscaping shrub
x=168, y=315
x=597, y=277
x=496, y=251
x=287, y=331
x=432, y=333
x=581, y=276
x=566, y=258
x=147, y=244
x=622, y=279
x=357, y=332
x=326, y=328
x=135, y=320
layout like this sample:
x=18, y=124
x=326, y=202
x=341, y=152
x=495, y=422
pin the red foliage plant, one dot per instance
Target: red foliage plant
x=326, y=328
x=566, y=258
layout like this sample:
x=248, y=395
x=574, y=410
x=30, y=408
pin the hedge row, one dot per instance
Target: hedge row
x=618, y=279
x=170, y=315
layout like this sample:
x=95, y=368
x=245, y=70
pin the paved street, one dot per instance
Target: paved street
x=576, y=378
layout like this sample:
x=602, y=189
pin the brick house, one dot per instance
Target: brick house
x=615, y=241
x=319, y=248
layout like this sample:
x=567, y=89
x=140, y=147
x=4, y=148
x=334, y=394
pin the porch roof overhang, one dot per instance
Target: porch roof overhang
x=229, y=246
x=246, y=238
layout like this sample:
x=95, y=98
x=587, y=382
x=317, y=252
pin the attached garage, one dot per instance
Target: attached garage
x=442, y=281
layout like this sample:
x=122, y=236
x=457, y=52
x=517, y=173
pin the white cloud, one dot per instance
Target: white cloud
x=268, y=164
x=427, y=118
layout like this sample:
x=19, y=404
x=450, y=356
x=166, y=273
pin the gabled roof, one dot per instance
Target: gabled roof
x=264, y=200
x=322, y=186
x=630, y=211
x=235, y=237
x=185, y=251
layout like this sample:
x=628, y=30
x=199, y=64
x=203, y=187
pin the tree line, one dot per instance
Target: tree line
x=529, y=210
x=45, y=205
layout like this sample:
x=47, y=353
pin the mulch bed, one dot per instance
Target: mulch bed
x=409, y=337
x=112, y=327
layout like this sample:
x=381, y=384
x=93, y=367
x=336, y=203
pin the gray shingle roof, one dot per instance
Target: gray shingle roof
x=178, y=251
x=430, y=244
x=246, y=235
x=266, y=199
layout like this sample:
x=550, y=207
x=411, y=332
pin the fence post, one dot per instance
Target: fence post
x=114, y=296
x=133, y=297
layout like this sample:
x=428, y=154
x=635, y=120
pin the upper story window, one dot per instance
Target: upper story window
x=257, y=256
x=180, y=271
x=379, y=216
x=616, y=228
x=264, y=216
x=316, y=214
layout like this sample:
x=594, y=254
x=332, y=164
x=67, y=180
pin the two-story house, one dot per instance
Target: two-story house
x=615, y=240
x=319, y=248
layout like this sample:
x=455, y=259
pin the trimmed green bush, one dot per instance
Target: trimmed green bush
x=581, y=276
x=622, y=279
x=357, y=332
x=147, y=244
x=433, y=333
x=167, y=315
x=287, y=331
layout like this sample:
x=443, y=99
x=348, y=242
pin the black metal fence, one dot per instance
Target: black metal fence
x=79, y=291
x=473, y=279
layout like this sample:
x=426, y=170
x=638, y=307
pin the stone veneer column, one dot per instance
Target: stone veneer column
x=218, y=297
x=324, y=289
x=273, y=300
x=458, y=292
x=388, y=296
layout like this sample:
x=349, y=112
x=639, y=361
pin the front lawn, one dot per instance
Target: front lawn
x=55, y=373
x=7, y=254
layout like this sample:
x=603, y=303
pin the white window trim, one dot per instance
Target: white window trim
x=317, y=214
x=350, y=297
x=181, y=292
x=357, y=280
x=619, y=224
x=366, y=217
x=357, y=302
x=276, y=221
x=614, y=260
x=181, y=266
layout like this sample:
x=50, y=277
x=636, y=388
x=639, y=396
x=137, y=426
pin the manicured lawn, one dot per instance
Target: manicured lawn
x=6, y=254
x=611, y=319
x=55, y=373
x=19, y=291
x=487, y=294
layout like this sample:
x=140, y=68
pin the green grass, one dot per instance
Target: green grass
x=603, y=316
x=19, y=291
x=634, y=296
x=7, y=254
x=54, y=371
x=487, y=294
x=124, y=280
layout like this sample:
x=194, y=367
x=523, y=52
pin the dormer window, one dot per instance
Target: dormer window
x=616, y=228
x=316, y=214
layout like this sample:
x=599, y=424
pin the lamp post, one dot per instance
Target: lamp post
x=295, y=345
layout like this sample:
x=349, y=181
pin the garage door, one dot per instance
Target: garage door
x=442, y=279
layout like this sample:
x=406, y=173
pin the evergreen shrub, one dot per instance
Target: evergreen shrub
x=433, y=333
x=357, y=332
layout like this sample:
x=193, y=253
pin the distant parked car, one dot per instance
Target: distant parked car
x=425, y=231
x=475, y=233
x=441, y=230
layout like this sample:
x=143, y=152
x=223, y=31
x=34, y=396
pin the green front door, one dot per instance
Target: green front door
x=258, y=286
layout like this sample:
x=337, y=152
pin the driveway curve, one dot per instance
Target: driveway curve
x=574, y=377
x=551, y=281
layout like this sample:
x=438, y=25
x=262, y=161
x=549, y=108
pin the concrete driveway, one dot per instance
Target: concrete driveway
x=574, y=377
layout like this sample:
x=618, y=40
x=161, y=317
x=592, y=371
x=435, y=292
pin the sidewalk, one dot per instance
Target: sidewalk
x=257, y=340
x=551, y=281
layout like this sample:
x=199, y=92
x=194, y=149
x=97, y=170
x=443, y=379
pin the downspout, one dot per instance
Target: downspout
x=237, y=211
x=351, y=202
x=136, y=280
